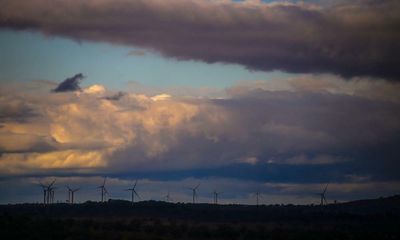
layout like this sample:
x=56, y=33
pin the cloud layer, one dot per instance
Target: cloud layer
x=348, y=38
x=262, y=125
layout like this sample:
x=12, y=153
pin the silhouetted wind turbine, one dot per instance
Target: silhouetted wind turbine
x=216, y=196
x=44, y=192
x=103, y=189
x=194, y=194
x=133, y=191
x=322, y=195
x=168, y=197
x=51, y=193
x=48, y=192
x=71, y=193
x=258, y=195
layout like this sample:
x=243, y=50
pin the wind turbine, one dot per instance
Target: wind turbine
x=216, y=196
x=322, y=195
x=48, y=192
x=168, y=197
x=258, y=195
x=133, y=191
x=103, y=189
x=44, y=192
x=71, y=193
x=194, y=192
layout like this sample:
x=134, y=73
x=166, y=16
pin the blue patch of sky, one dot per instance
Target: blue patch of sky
x=26, y=56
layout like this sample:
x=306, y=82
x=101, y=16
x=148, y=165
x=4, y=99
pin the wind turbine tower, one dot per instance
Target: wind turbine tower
x=44, y=192
x=72, y=194
x=258, y=195
x=168, y=197
x=51, y=194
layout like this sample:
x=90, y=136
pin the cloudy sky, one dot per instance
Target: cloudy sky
x=280, y=97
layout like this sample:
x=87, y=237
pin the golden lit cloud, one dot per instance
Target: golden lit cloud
x=20, y=163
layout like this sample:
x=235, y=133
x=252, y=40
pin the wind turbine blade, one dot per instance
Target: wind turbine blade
x=51, y=184
x=76, y=190
x=136, y=194
x=197, y=186
x=41, y=184
x=326, y=187
x=104, y=182
x=134, y=185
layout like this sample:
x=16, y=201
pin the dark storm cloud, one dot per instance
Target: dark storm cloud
x=349, y=38
x=70, y=84
x=300, y=137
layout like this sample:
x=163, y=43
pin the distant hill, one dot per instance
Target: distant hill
x=383, y=205
x=146, y=220
x=389, y=206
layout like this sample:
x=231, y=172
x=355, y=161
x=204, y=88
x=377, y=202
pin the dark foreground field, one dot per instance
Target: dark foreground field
x=367, y=219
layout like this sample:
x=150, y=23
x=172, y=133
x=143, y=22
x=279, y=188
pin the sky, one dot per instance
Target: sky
x=276, y=97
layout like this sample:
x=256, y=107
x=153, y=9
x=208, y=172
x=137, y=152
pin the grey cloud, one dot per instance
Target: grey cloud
x=137, y=53
x=292, y=128
x=347, y=38
x=116, y=96
x=24, y=143
x=70, y=84
x=15, y=109
x=373, y=89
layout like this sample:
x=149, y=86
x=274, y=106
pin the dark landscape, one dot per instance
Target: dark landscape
x=118, y=219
